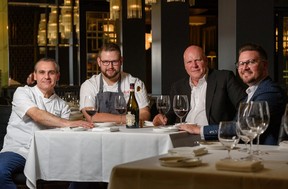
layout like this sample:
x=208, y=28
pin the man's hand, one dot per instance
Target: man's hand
x=160, y=119
x=30, y=79
x=191, y=128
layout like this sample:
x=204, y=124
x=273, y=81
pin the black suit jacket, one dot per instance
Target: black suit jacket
x=223, y=95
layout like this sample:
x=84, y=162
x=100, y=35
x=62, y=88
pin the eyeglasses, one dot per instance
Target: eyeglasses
x=108, y=62
x=248, y=62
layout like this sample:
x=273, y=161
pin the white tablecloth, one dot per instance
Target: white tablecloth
x=90, y=156
x=149, y=174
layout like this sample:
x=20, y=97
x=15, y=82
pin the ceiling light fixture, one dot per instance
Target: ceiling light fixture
x=134, y=9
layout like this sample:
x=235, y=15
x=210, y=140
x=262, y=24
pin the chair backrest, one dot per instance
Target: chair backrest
x=5, y=111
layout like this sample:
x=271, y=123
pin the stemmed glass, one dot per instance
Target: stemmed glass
x=120, y=105
x=285, y=120
x=227, y=135
x=244, y=131
x=91, y=106
x=180, y=106
x=258, y=118
x=163, y=104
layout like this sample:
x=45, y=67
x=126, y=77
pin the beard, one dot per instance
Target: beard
x=116, y=72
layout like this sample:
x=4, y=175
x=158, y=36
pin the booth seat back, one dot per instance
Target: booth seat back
x=5, y=111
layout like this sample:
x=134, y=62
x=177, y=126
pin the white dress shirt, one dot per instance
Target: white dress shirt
x=197, y=113
x=250, y=91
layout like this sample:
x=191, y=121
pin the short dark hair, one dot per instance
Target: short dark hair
x=254, y=47
x=110, y=47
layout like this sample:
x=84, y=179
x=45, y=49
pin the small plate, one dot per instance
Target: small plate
x=105, y=124
x=180, y=161
x=165, y=129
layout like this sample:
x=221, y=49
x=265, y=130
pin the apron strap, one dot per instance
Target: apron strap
x=102, y=84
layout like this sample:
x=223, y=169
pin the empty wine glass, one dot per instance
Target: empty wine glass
x=258, y=118
x=91, y=106
x=244, y=131
x=227, y=135
x=120, y=105
x=180, y=106
x=163, y=104
x=285, y=120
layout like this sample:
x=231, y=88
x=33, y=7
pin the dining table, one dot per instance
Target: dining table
x=89, y=155
x=152, y=173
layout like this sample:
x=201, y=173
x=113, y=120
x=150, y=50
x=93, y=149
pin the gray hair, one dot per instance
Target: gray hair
x=48, y=60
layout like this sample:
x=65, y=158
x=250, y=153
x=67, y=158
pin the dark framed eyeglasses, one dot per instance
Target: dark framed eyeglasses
x=108, y=62
x=248, y=62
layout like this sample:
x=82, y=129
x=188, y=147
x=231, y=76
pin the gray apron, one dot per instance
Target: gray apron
x=106, y=99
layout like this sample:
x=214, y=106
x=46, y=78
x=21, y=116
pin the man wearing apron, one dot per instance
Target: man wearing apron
x=106, y=99
x=111, y=82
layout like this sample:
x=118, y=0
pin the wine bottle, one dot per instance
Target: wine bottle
x=132, y=116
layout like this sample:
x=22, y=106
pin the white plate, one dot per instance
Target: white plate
x=180, y=161
x=165, y=129
x=105, y=124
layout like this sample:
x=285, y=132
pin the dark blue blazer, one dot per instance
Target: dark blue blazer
x=276, y=97
x=223, y=95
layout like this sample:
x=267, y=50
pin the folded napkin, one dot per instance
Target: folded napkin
x=200, y=151
x=73, y=129
x=188, y=151
x=239, y=165
x=105, y=129
x=148, y=124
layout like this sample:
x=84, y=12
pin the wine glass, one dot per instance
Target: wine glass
x=258, y=118
x=91, y=106
x=285, y=120
x=227, y=135
x=120, y=105
x=163, y=104
x=244, y=131
x=180, y=106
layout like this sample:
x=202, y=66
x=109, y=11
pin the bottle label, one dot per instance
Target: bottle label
x=130, y=119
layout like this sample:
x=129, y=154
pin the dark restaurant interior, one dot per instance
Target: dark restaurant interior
x=152, y=39
x=151, y=45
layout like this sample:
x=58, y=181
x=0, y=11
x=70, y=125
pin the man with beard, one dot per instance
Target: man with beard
x=252, y=68
x=111, y=82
